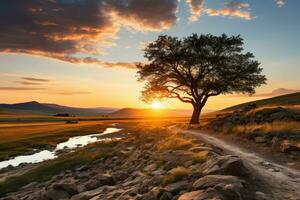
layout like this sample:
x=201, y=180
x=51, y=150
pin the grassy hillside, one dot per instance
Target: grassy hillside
x=284, y=100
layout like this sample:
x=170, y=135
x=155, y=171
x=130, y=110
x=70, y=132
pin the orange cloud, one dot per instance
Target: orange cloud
x=65, y=29
x=20, y=88
x=35, y=79
x=196, y=7
x=232, y=9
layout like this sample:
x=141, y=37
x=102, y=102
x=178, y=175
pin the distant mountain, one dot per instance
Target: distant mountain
x=102, y=110
x=134, y=112
x=45, y=108
x=283, y=100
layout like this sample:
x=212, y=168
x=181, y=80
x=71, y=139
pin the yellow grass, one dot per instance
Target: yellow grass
x=268, y=127
x=24, y=139
x=175, y=174
x=200, y=157
x=174, y=142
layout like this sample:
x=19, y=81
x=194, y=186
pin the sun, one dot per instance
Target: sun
x=156, y=105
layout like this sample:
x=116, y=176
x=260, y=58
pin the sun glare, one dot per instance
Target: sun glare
x=156, y=105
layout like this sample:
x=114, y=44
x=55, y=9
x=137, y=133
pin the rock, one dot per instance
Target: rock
x=200, y=195
x=71, y=189
x=158, y=172
x=176, y=187
x=151, y=167
x=166, y=196
x=30, y=185
x=261, y=196
x=120, y=175
x=260, y=139
x=191, y=195
x=154, y=193
x=227, y=165
x=288, y=146
x=230, y=186
x=88, y=194
x=10, y=198
x=200, y=148
x=68, y=185
x=215, y=180
x=175, y=158
x=276, y=143
x=92, y=184
x=55, y=194
x=99, y=180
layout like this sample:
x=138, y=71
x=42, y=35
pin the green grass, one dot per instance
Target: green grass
x=48, y=169
x=284, y=100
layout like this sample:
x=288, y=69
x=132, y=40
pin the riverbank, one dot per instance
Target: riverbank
x=151, y=163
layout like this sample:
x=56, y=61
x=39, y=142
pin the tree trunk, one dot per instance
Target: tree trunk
x=196, y=114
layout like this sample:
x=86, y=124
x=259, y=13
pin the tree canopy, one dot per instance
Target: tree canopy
x=197, y=67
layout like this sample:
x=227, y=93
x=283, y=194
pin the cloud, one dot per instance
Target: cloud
x=29, y=83
x=73, y=93
x=68, y=29
x=32, y=81
x=232, y=9
x=196, y=7
x=280, y=3
x=35, y=79
x=19, y=88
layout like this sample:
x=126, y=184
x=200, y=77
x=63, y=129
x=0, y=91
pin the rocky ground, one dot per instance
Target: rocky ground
x=152, y=163
x=277, y=127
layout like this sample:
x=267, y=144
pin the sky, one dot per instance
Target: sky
x=83, y=53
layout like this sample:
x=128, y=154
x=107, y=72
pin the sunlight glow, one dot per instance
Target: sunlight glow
x=156, y=105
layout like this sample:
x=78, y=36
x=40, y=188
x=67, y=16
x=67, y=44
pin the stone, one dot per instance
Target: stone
x=88, y=194
x=151, y=167
x=158, y=172
x=260, y=139
x=200, y=195
x=200, y=148
x=289, y=146
x=166, y=196
x=226, y=165
x=55, y=194
x=30, y=185
x=261, y=196
x=215, y=180
x=176, y=187
x=70, y=188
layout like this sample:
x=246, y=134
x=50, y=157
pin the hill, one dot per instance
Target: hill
x=51, y=109
x=134, y=112
x=284, y=100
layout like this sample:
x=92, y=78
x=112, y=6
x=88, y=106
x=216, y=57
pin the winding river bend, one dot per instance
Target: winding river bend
x=71, y=144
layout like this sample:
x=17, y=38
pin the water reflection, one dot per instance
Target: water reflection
x=72, y=143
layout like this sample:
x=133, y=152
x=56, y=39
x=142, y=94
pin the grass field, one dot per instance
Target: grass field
x=69, y=161
x=16, y=139
x=284, y=100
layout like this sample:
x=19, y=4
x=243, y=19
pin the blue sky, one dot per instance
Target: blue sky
x=272, y=34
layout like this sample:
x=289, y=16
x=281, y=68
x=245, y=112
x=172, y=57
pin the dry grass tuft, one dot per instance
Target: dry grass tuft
x=175, y=175
x=268, y=127
x=200, y=157
x=174, y=142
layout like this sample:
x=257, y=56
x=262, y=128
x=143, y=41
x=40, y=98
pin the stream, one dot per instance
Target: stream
x=71, y=144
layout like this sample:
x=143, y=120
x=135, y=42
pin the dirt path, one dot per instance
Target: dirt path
x=282, y=181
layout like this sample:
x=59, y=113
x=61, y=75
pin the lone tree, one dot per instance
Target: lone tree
x=196, y=68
